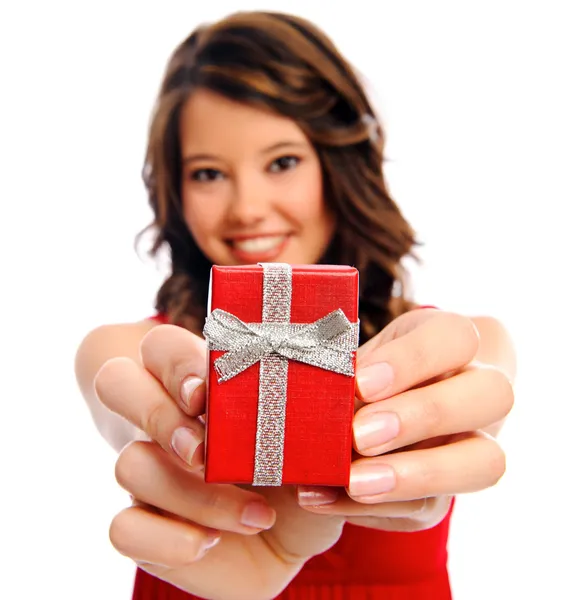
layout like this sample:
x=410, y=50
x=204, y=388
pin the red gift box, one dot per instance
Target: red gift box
x=272, y=420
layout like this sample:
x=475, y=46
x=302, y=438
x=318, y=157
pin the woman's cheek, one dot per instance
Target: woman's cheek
x=203, y=216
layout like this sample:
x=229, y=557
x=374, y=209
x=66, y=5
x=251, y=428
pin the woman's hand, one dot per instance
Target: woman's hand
x=211, y=540
x=426, y=401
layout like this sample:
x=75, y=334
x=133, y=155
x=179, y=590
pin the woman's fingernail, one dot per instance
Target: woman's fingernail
x=370, y=480
x=209, y=542
x=258, y=515
x=375, y=429
x=184, y=443
x=187, y=388
x=309, y=496
x=374, y=380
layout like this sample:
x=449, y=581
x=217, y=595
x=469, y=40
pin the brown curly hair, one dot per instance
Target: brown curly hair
x=284, y=64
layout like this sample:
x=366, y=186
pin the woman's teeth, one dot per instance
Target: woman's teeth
x=259, y=244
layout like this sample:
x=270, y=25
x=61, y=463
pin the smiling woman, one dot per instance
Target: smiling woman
x=262, y=129
x=251, y=184
x=264, y=147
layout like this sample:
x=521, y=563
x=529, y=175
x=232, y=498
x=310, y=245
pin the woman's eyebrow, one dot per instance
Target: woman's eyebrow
x=273, y=148
x=193, y=157
x=284, y=144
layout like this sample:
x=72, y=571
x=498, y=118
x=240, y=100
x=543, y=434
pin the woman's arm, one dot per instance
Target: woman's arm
x=100, y=345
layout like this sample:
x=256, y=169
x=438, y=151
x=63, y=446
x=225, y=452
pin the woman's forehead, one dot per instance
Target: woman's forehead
x=209, y=121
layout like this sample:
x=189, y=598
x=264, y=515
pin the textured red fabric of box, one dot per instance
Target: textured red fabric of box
x=320, y=404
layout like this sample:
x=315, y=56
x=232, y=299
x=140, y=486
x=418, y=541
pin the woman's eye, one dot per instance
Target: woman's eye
x=284, y=163
x=203, y=175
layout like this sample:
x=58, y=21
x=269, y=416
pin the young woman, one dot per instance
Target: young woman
x=263, y=147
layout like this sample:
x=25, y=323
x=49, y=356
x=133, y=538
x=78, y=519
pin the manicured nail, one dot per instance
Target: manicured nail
x=309, y=496
x=370, y=480
x=184, y=443
x=375, y=429
x=258, y=515
x=187, y=388
x=374, y=380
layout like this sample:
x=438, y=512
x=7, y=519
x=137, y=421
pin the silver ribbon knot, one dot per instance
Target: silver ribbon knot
x=327, y=343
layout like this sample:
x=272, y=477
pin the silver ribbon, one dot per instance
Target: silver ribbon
x=327, y=343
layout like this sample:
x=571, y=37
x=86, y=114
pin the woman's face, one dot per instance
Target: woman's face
x=251, y=185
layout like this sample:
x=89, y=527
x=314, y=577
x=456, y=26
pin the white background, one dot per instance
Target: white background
x=477, y=104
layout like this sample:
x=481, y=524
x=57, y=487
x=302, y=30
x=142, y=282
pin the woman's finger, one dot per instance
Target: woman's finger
x=336, y=501
x=475, y=398
x=431, y=512
x=397, y=516
x=177, y=358
x=150, y=475
x=440, y=343
x=128, y=389
x=470, y=463
x=147, y=537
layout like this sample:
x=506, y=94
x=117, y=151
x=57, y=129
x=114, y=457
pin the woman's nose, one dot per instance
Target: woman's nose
x=250, y=202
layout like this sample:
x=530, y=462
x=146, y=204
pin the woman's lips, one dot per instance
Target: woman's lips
x=258, y=248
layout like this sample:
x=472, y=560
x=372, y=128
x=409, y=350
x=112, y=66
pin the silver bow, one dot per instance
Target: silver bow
x=327, y=343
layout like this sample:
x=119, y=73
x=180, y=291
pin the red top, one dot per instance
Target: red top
x=365, y=564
